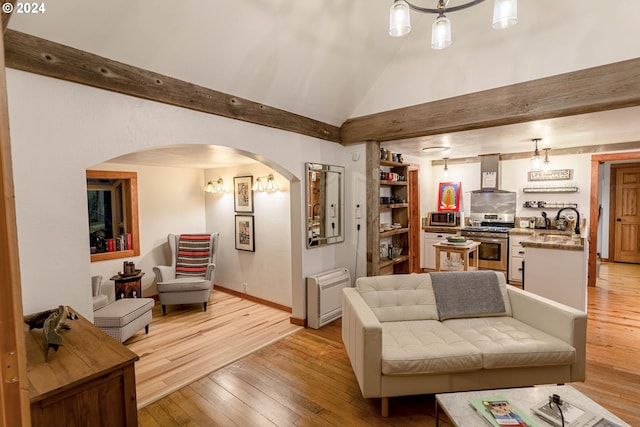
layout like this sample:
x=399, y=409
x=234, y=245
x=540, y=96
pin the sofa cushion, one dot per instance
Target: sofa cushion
x=470, y=294
x=425, y=347
x=399, y=297
x=506, y=342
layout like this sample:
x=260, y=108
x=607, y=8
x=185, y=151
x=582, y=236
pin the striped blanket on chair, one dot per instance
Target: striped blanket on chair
x=194, y=252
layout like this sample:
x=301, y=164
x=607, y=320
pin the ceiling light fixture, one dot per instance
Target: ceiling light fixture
x=434, y=148
x=536, y=160
x=218, y=187
x=505, y=15
x=446, y=167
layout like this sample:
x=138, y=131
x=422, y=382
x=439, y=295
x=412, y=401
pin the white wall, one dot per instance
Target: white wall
x=267, y=271
x=59, y=129
x=170, y=200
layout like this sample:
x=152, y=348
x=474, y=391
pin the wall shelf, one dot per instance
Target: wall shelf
x=396, y=211
x=550, y=190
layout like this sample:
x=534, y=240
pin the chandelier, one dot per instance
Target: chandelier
x=505, y=15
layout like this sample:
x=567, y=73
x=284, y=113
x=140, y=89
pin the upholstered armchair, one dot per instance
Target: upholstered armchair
x=103, y=293
x=189, y=278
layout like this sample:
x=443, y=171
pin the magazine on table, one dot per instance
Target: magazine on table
x=574, y=416
x=499, y=412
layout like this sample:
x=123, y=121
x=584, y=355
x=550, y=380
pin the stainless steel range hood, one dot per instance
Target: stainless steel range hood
x=489, y=174
x=490, y=203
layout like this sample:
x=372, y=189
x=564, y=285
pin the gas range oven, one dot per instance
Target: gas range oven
x=493, y=251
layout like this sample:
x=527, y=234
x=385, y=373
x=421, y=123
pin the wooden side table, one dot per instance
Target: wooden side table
x=465, y=251
x=128, y=286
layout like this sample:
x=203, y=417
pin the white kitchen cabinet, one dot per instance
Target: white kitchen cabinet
x=516, y=258
x=557, y=274
x=429, y=252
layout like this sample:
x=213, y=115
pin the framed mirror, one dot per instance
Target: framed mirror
x=112, y=208
x=325, y=204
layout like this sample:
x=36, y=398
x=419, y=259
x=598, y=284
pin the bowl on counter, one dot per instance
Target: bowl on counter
x=456, y=239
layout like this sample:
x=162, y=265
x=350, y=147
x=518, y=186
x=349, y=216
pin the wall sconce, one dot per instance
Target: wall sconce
x=218, y=187
x=270, y=185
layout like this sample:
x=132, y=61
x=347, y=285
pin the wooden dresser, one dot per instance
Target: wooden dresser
x=89, y=381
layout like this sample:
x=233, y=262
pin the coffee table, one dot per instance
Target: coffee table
x=460, y=412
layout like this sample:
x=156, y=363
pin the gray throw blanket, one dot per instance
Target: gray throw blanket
x=467, y=294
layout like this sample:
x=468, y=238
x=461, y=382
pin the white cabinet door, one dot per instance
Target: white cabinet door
x=516, y=256
x=515, y=269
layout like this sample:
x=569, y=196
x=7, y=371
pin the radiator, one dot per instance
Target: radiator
x=324, y=296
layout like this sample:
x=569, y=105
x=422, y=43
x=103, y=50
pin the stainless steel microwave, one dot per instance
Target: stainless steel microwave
x=444, y=219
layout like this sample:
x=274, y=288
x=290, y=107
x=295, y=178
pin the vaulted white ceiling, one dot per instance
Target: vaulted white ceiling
x=332, y=59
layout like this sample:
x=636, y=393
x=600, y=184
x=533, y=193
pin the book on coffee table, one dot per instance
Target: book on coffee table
x=499, y=412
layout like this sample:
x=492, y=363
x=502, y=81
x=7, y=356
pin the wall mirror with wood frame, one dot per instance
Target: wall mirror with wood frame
x=325, y=204
x=112, y=209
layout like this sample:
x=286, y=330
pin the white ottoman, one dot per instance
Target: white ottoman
x=124, y=317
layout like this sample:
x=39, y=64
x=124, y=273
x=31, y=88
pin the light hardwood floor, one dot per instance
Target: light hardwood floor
x=189, y=343
x=305, y=379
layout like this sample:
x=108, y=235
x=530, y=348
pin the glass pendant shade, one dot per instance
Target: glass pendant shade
x=441, y=33
x=546, y=164
x=505, y=14
x=536, y=163
x=399, y=19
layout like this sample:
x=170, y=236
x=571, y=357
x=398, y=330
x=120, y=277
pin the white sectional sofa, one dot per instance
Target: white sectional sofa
x=456, y=331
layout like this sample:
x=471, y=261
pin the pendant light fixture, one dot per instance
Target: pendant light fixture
x=505, y=15
x=546, y=165
x=441, y=30
x=446, y=167
x=536, y=160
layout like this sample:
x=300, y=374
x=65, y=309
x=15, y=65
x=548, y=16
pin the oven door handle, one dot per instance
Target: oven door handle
x=490, y=240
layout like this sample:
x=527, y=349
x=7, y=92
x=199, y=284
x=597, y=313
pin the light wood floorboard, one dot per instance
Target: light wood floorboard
x=305, y=379
x=189, y=343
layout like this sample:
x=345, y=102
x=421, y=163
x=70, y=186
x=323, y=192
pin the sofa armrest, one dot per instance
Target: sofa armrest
x=558, y=320
x=164, y=273
x=362, y=337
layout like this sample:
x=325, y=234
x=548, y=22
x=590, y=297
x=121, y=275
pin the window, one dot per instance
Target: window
x=112, y=207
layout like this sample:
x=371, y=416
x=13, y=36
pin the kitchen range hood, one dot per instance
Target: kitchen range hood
x=489, y=174
x=490, y=204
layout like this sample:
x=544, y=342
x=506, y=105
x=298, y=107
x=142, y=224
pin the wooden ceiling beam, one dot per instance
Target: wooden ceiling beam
x=601, y=88
x=36, y=55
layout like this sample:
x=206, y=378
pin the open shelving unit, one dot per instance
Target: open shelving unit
x=396, y=211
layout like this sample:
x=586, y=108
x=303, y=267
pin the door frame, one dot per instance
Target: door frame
x=14, y=384
x=596, y=160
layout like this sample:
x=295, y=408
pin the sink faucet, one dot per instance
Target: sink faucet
x=577, y=230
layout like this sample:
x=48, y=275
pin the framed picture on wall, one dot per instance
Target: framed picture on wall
x=243, y=194
x=449, y=197
x=245, y=233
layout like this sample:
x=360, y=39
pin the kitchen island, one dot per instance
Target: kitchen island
x=555, y=267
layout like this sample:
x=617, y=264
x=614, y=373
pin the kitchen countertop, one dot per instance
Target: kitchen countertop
x=435, y=229
x=548, y=239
